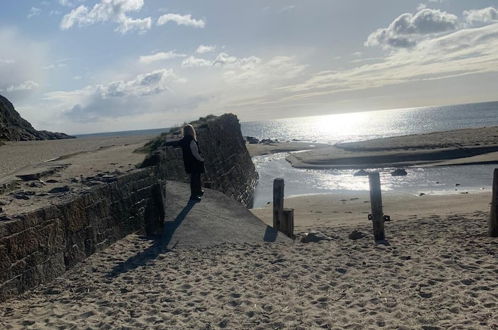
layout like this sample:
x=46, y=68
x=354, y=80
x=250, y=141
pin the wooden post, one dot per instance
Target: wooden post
x=376, y=204
x=493, y=217
x=278, y=202
x=287, y=224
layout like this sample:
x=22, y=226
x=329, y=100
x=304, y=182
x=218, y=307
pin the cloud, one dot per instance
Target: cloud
x=463, y=52
x=483, y=16
x=21, y=64
x=24, y=86
x=287, y=9
x=195, y=62
x=34, y=12
x=7, y=61
x=161, y=56
x=109, y=11
x=203, y=49
x=186, y=20
x=408, y=29
x=117, y=98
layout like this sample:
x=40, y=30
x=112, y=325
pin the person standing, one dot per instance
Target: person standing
x=192, y=159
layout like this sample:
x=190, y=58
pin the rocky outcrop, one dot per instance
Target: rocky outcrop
x=229, y=167
x=14, y=128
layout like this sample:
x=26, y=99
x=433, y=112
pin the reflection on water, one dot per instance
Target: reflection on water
x=426, y=180
x=375, y=124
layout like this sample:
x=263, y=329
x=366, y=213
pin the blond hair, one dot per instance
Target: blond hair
x=189, y=130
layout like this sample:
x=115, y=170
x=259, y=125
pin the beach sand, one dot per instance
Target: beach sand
x=333, y=210
x=276, y=147
x=457, y=147
x=75, y=160
x=439, y=271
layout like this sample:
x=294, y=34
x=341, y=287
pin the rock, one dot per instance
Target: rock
x=25, y=195
x=361, y=173
x=399, y=172
x=314, y=237
x=108, y=178
x=14, y=128
x=51, y=181
x=29, y=177
x=59, y=190
x=5, y=218
x=252, y=140
x=36, y=184
x=421, y=194
x=268, y=141
x=355, y=234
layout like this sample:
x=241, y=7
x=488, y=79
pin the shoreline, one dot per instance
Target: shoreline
x=449, y=148
x=334, y=210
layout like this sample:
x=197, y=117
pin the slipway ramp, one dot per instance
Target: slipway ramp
x=215, y=220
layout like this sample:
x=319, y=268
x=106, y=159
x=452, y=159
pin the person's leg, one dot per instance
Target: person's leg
x=195, y=184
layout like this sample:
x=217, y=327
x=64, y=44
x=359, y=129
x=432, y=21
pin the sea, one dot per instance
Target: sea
x=369, y=125
x=357, y=126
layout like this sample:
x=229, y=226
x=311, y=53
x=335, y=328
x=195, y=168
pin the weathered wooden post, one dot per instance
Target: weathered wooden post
x=377, y=215
x=287, y=223
x=278, y=202
x=493, y=217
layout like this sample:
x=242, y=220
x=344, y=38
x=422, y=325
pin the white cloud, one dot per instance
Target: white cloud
x=161, y=56
x=7, y=61
x=34, y=12
x=24, y=86
x=408, y=29
x=196, y=62
x=463, y=52
x=203, y=49
x=21, y=63
x=109, y=10
x=115, y=99
x=186, y=20
x=481, y=16
x=287, y=9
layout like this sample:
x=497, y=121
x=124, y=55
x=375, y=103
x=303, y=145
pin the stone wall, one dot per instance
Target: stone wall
x=39, y=246
x=229, y=167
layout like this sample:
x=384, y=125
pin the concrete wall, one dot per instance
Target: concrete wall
x=39, y=246
x=229, y=167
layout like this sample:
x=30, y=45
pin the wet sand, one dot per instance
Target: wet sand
x=457, y=147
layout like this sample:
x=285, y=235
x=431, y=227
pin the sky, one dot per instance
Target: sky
x=83, y=66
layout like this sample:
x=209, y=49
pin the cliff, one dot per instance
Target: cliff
x=229, y=167
x=14, y=128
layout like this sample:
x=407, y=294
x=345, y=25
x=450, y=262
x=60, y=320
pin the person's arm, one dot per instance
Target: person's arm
x=175, y=143
x=195, y=151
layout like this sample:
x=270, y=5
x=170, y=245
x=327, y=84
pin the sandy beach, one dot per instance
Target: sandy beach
x=438, y=272
x=456, y=147
x=74, y=163
x=260, y=149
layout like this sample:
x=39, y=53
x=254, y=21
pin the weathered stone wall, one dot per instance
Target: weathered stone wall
x=229, y=167
x=39, y=246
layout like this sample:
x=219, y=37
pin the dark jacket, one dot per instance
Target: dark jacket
x=192, y=164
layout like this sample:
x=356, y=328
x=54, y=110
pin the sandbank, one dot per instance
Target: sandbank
x=457, y=147
x=260, y=149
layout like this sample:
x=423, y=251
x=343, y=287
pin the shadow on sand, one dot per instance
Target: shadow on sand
x=159, y=246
